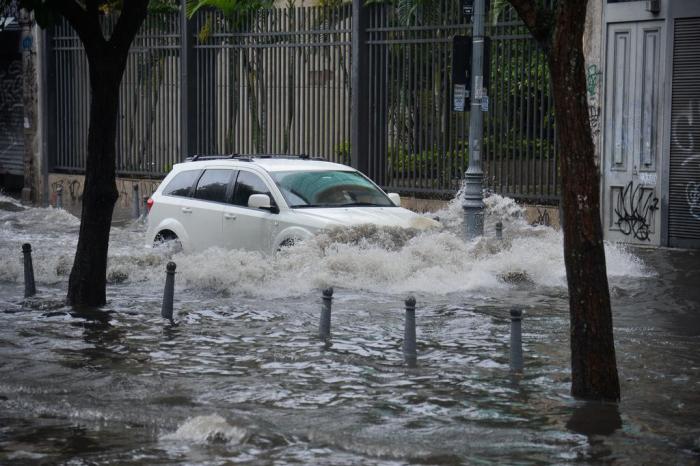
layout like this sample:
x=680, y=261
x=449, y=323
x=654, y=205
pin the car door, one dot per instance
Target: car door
x=243, y=227
x=175, y=201
x=207, y=206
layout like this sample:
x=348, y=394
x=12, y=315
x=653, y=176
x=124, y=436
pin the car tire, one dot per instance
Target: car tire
x=288, y=243
x=167, y=239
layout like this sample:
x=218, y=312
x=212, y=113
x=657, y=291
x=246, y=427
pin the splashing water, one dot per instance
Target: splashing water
x=207, y=429
x=365, y=258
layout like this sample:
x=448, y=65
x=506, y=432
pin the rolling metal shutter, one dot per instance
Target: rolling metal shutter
x=11, y=107
x=684, y=181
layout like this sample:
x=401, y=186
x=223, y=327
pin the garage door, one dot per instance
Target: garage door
x=11, y=109
x=684, y=181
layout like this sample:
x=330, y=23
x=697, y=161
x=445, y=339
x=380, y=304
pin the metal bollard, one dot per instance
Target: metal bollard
x=29, y=284
x=135, y=214
x=499, y=231
x=167, y=309
x=516, y=340
x=324, y=327
x=59, y=197
x=409, y=337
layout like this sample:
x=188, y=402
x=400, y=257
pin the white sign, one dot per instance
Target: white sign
x=460, y=94
x=478, y=87
x=647, y=179
x=485, y=103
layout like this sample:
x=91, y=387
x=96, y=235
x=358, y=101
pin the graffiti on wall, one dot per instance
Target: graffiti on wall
x=683, y=139
x=542, y=217
x=692, y=195
x=592, y=82
x=11, y=105
x=635, y=209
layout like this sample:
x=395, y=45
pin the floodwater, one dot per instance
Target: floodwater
x=244, y=379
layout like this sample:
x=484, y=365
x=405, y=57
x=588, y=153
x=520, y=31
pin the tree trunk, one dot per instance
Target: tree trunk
x=86, y=286
x=106, y=61
x=593, y=365
x=559, y=30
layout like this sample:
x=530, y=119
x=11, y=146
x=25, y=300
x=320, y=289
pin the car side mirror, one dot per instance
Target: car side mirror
x=261, y=201
x=395, y=198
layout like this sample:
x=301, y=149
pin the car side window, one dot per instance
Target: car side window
x=181, y=185
x=213, y=185
x=248, y=184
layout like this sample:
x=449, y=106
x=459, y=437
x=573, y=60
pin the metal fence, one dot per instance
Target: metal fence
x=274, y=81
x=418, y=143
x=279, y=81
x=149, y=100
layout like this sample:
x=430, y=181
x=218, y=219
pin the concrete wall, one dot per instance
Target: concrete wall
x=593, y=51
x=73, y=195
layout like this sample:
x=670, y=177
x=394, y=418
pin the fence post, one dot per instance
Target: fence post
x=359, y=106
x=135, y=214
x=29, y=284
x=409, y=338
x=168, y=294
x=188, y=79
x=473, y=199
x=516, y=340
x=324, y=328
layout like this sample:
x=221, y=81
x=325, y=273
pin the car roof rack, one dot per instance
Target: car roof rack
x=197, y=157
x=250, y=157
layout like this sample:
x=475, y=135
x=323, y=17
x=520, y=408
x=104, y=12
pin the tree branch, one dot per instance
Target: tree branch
x=92, y=8
x=130, y=20
x=537, y=18
x=86, y=25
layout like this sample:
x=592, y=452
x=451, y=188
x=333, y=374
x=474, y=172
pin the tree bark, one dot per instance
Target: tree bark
x=86, y=286
x=593, y=363
x=107, y=61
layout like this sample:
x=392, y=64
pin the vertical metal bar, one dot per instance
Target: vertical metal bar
x=331, y=89
x=318, y=49
x=188, y=77
x=372, y=97
x=529, y=187
x=360, y=107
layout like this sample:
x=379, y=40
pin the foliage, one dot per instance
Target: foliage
x=229, y=8
x=437, y=165
x=342, y=153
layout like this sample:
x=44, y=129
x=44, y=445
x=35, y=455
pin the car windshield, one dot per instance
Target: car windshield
x=329, y=189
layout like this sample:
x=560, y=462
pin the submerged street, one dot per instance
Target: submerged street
x=244, y=379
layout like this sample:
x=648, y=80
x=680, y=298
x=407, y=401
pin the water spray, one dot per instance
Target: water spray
x=59, y=197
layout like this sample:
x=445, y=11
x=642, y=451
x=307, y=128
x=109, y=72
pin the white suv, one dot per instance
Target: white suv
x=263, y=203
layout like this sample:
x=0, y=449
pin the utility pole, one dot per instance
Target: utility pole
x=473, y=197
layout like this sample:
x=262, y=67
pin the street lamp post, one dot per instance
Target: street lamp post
x=473, y=196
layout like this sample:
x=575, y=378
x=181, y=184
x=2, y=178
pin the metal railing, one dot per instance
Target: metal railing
x=273, y=81
x=279, y=81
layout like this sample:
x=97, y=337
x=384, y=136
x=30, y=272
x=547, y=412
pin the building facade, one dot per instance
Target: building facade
x=647, y=126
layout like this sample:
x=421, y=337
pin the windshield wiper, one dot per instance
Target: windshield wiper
x=306, y=206
x=362, y=204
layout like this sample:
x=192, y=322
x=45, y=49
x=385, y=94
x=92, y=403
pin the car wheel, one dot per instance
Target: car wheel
x=288, y=243
x=167, y=239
